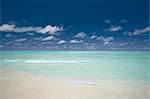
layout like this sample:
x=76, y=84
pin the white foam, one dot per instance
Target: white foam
x=12, y=61
x=84, y=82
x=53, y=61
x=47, y=61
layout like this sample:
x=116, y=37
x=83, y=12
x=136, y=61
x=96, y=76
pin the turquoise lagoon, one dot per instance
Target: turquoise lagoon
x=114, y=65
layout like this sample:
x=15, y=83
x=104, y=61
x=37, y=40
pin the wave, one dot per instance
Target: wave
x=52, y=61
x=84, y=82
x=12, y=61
x=47, y=61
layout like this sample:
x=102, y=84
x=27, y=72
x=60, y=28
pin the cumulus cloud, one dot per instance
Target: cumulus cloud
x=21, y=39
x=106, y=40
x=80, y=35
x=106, y=43
x=47, y=38
x=113, y=29
x=93, y=36
x=13, y=28
x=7, y=28
x=139, y=31
x=61, y=42
x=46, y=29
x=50, y=29
x=76, y=41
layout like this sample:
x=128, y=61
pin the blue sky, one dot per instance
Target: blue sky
x=74, y=25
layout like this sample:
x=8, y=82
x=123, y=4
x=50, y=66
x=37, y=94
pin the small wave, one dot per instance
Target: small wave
x=52, y=61
x=82, y=82
x=47, y=61
x=12, y=61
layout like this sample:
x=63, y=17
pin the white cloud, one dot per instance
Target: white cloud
x=46, y=29
x=93, y=36
x=47, y=38
x=106, y=40
x=25, y=29
x=61, y=42
x=21, y=40
x=106, y=43
x=76, y=41
x=80, y=35
x=113, y=29
x=7, y=28
x=13, y=28
x=140, y=31
x=50, y=29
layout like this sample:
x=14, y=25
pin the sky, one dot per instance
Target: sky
x=74, y=25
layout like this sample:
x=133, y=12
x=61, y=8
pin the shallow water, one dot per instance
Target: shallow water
x=114, y=65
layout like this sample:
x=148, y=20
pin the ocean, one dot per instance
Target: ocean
x=91, y=65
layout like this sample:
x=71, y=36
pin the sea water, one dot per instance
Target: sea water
x=116, y=65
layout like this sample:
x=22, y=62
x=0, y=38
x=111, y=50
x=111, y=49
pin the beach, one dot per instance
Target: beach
x=74, y=75
x=27, y=86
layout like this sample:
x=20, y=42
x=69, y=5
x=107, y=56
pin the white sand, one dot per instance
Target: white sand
x=26, y=86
